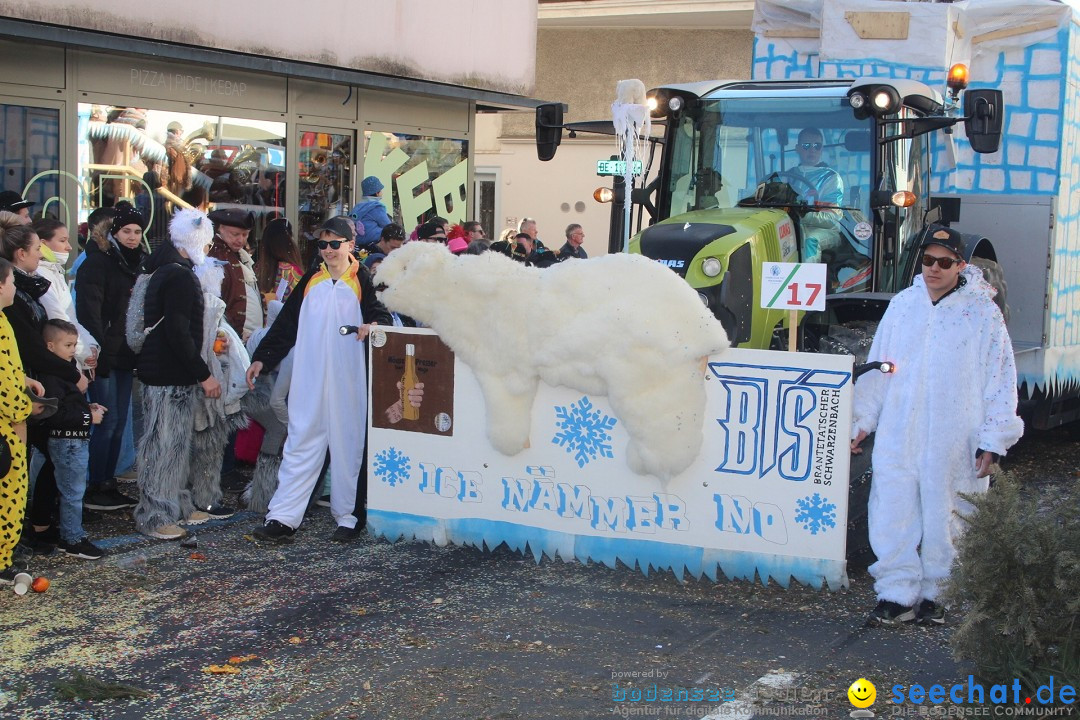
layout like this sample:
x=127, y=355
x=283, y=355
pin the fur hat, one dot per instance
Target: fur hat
x=126, y=215
x=370, y=186
x=191, y=231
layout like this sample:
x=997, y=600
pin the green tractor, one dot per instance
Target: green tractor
x=830, y=171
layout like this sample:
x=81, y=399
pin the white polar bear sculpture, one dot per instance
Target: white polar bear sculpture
x=618, y=325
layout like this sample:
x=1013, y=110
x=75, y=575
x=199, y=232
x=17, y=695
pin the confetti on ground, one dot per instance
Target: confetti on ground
x=222, y=670
x=370, y=641
x=238, y=659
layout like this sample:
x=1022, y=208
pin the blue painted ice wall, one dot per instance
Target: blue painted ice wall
x=1034, y=86
x=1064, y=323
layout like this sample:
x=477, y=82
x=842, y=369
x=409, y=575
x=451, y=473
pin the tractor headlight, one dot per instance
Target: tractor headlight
x=711, y=267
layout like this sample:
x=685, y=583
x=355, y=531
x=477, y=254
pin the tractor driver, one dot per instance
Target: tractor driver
x=819, y=186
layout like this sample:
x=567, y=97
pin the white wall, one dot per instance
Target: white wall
x=548, y=191
x=488, y=44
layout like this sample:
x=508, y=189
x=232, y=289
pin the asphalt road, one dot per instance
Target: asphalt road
x=378, y=629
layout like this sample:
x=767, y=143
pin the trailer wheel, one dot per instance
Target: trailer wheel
x=994, y=275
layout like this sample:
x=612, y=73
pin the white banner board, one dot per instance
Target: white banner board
x=766, y=495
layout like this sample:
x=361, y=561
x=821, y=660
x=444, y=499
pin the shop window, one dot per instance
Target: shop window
x=30, y=155
x=423, y=176
x=326, y=160
x=153, y=158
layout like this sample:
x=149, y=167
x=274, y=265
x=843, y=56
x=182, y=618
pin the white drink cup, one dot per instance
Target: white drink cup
x=22, y=583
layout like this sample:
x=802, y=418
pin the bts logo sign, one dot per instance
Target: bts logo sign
x=781, y=421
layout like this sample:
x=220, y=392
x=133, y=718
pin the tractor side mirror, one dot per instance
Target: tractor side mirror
x=858, y=141
x=549, y=124
x=984, y=117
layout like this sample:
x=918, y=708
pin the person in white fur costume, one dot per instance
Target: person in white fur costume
x=191, y=394
x=619, y=325
x=942, y=419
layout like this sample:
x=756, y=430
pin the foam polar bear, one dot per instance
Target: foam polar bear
x=619, y=325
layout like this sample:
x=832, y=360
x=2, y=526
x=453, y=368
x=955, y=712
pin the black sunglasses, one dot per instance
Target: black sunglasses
x=810, y=146
x=943, y=262
x=335, y=244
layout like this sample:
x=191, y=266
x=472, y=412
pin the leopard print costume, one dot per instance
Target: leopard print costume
x=14, y=409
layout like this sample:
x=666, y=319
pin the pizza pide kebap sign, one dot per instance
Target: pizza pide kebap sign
x=766, y=495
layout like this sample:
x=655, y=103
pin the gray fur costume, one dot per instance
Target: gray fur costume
x=185, y=432
x=264, y=481
x=268, y=405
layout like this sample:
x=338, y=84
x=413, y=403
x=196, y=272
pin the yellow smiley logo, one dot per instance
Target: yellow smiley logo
x=862, y=693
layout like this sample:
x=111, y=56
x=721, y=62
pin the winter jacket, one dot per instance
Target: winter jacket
x=281, y=337
x=59, y=304
x=72, y=418
x=569, y=251
x=239, y=289
x=172, y=352
x=105, y=280
x=370, y=214
x=27, y=317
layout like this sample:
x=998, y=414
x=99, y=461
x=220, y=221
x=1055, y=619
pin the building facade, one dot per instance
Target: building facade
x=583, y=48
x=283, y=116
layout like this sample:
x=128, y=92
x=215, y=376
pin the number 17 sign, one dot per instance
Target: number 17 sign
x=793, y=286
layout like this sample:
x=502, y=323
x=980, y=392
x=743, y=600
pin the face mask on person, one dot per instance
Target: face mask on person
x=61, y=257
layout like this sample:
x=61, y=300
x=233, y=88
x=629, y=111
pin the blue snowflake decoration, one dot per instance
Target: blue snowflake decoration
x=391, y=466
x=815, y=513
x=583, y=431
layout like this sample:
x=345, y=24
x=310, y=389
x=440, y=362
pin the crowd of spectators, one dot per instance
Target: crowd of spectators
x=192, y=332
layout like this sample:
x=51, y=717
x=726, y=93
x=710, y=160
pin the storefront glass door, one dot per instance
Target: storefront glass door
x=325, y=173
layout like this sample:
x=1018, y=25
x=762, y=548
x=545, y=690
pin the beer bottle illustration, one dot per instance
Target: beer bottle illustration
x=408, y=382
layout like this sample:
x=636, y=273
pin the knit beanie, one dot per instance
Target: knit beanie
x=126, y=215
x=190, y=230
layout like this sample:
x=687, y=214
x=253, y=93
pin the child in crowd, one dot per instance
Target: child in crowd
x=69, y=440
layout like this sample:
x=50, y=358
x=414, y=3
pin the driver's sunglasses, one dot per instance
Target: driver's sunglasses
x=334, y=244
x=944, y=263
x=810, y=146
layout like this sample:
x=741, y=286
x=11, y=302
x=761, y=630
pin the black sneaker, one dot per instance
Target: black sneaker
x=891, y=613
x=110, y=499
x=83, y=549
x=42, y=542
x=345, y=534
x=219, y=511
x=930, y=613
x=7, y=575
x=274, y=531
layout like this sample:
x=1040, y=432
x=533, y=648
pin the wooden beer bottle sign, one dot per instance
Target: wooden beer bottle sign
x=408, y=382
